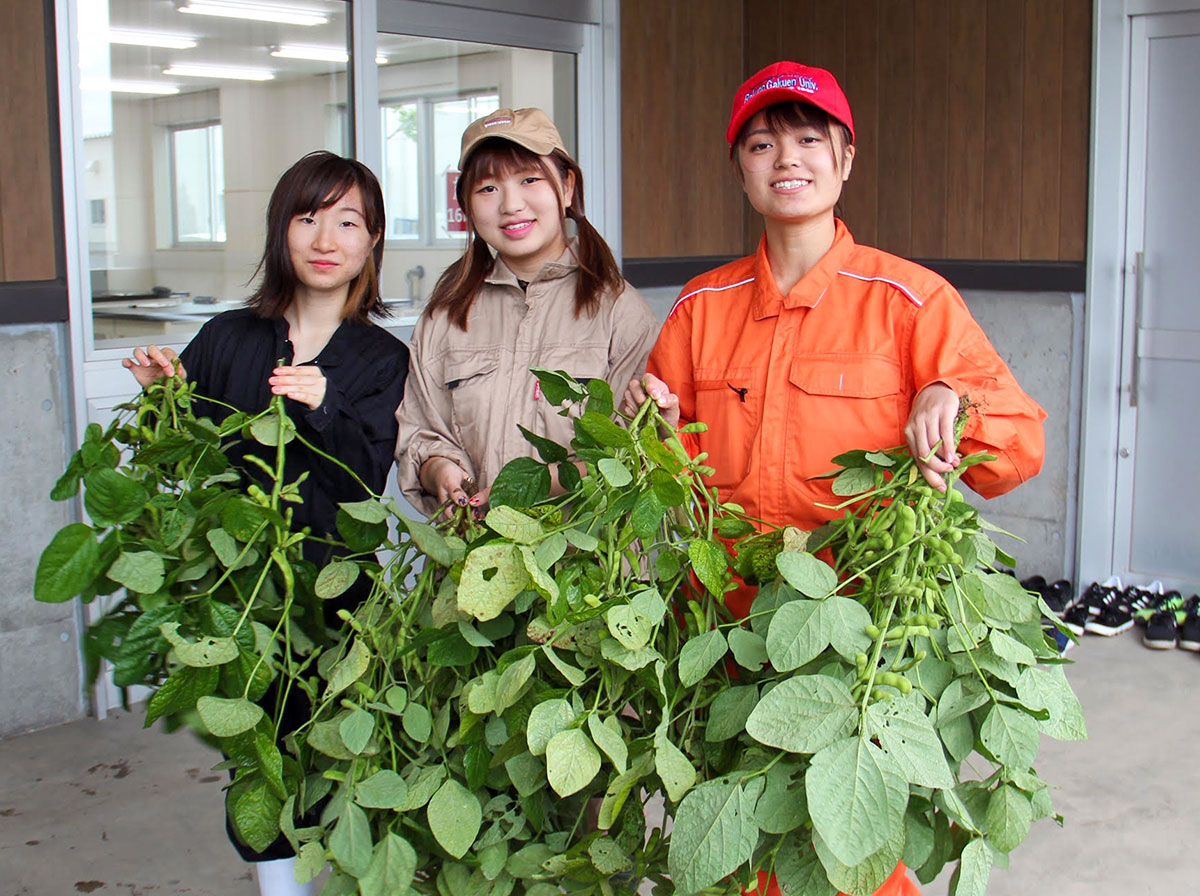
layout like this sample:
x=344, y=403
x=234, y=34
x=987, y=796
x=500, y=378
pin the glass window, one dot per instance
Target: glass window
x=401, y=182
x=198, y=184
x=188, y=122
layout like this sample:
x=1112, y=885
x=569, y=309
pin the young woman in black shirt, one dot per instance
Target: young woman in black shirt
x=342, y=377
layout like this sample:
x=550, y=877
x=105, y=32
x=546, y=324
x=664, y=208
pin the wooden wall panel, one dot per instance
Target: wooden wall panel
x=964, y=130
x=680, y=59
x=27, y=238
x=972, y=120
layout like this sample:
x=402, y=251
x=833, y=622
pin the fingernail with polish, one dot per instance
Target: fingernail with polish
x=462, y=501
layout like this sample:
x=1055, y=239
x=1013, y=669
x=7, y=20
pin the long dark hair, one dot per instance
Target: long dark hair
x=315, y=182
x=459, y=284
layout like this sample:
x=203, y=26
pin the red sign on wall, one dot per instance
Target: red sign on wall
x=456, y=221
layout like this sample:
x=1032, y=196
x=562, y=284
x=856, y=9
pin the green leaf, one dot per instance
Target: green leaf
x=512, y=682
x=350, y=842
x=614, y=472
x=572, y=760
x=111, y=498
x=868, y=875
x=369, y=511
x=906, y=734
x=572, y=674
x=270, y=763
x=677, y=773
x=510, y=523
x=356, y=730
x=269, y=429
x=729, y=711
x=1004, y=600
x=180, y=692
x=667, y=487
x=855, y=798
x=522, y=482
x=846, y=621
x=68, y=565
x=254, y=812
x=454, y=818
x=854, y=481
x=781, y=808
x=335, y=579
x=607, y=857
x=583, y=540
x=600, y=396
x=699, y=655
x=710, y=561
x=431, y=543
x=798, y=632
x=228, y=717
x=422, y=786
x=803, y=714
x=714, y=833
x=608, y=736
x=1008, y=819
x=417, y=722
x=205, y=651
x=492, y=576
x=392, y=867
x=549, y=451
x=749, y=649
x=974, y=869
x=602, y=431
x=798, y=871
x=1010, y=735
x=383, y=790
x=807, y=574
x=140, y=571
x=224, y=546
x=558, y=386
x=1048, y=689
x=628, y=626
x=547, y=719
x=310, y=861
x=527, y=773
x=348, y=669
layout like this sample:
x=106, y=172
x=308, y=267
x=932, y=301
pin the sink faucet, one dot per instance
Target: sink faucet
x=414, y=276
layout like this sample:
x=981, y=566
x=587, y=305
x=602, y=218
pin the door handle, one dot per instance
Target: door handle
x=1139, y=284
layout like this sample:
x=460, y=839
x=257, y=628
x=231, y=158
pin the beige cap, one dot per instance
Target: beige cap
x=530, y=128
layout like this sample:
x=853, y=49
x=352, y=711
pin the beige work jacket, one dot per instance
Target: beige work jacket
x=467, y=391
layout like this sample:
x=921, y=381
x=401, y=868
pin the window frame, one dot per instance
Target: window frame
x=172, y=131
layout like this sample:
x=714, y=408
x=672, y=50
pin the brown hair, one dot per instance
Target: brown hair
x=459, y=284
x=316, y=182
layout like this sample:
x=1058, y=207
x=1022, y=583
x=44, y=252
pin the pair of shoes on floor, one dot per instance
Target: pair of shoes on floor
x=1100, y=610
x=1058, y=595
x=1176, y=623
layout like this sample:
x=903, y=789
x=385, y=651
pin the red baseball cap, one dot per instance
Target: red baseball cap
x=788, y=82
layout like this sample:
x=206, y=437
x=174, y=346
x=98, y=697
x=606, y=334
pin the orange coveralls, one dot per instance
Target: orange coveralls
x=787, y=382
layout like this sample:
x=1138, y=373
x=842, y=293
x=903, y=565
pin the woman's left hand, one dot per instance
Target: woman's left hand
x=305, y=384
x=930, y=422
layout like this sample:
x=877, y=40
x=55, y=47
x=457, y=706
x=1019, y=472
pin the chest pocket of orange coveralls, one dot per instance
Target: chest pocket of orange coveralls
x=846, y=401
x=730, y=402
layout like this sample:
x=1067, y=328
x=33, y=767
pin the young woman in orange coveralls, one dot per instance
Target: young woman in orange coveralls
x=815, y=345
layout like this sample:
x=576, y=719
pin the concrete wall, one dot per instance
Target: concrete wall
x=1035, y=333
x=40, y=678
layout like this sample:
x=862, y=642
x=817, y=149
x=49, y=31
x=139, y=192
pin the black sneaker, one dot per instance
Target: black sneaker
x=1076, y=618
x=1115, y=616
x=1189, y=631
x=1161, y=630
x=1099, y=594
x=1058, y=595
x=1148, y=598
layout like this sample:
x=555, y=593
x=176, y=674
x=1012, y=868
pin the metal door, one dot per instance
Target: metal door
x=1157, y=531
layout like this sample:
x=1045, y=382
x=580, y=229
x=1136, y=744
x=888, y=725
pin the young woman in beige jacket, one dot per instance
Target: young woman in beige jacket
x=525, y=294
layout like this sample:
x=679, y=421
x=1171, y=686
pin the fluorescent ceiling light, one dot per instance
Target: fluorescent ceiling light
x=150, y=88
x=220, y=71
x=316, y=54
x=256, y=12
x=319, y=54
x=150, y=39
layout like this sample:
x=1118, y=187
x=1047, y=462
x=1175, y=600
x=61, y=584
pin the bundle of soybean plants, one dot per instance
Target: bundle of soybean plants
x=495, y=716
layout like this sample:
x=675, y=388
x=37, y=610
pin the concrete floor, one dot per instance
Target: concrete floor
x=108, y=808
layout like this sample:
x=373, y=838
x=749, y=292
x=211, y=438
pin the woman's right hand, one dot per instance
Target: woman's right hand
x=445, y=480
x=651, y=386
x=153, y=363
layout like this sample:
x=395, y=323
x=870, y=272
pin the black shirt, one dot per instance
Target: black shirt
x=365, y=366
